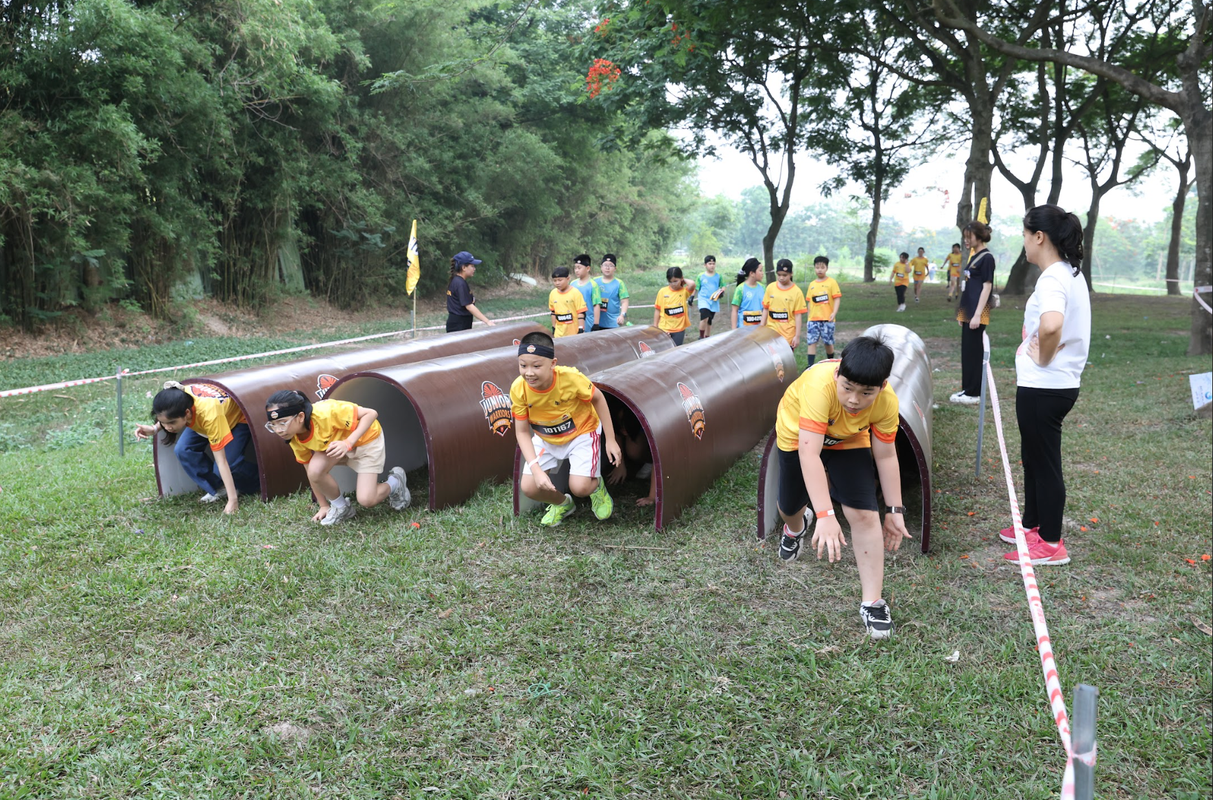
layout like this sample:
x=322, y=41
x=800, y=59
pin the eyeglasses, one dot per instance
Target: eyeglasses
x=278, y=425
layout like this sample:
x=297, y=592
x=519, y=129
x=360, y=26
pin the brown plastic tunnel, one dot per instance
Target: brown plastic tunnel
x=911, y=380
x=250, y=388
x=453, y=414
x=701, y=407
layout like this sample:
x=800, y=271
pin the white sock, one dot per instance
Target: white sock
x=340, y=501
x=393, y=483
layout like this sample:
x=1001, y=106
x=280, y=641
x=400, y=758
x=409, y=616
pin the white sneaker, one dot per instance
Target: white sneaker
x=901, y=307
x=955, y=396
x=400, y=498
x=965, y=400
x=644, y=472
x=214, y=498
x=339, y=512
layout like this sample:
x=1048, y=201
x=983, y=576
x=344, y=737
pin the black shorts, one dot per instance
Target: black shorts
x=852, y=476
x=458, y=322
x=708, y=314
x=678, y=337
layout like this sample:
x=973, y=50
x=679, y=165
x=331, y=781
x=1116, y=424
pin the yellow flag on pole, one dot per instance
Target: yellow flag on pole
x=414, y=274
x=981, y=211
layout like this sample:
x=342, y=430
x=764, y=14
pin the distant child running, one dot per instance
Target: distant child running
x=746, y=309
x=335, y=433
x=559, y=415
x=900, y=278
x=919, y=268
x=825, y=298
x=783, y=304
x=566, y=304
x=672, y=306
x=826, y=455
x=614, y=295
x=953, y=260
x=208, y=435
x=589, y=292
x=709, y=289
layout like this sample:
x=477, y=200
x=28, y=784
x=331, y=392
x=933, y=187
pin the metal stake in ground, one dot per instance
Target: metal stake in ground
x=121, y=443
x=1084, y=741
x=981, y=408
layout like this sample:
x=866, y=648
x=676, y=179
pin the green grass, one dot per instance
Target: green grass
x=153, y=648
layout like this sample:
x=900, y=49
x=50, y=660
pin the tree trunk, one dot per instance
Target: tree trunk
x=1177, y=224
x=1088, y=234
x=1198, y=125
x=869, y=252
x=778, y=213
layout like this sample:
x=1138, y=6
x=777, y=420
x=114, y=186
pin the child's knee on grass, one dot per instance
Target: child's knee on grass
x=862, y=521
x=370, y=491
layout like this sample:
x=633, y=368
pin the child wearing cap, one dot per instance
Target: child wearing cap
x=824, y=298
x=460, y=304
x=783, y=304
x=208, y=435
x=670, y=309
x=566, y=304
x=589, y=291
x=559, y=415
x=708, y=287
x=335, y=433
x=613, y=293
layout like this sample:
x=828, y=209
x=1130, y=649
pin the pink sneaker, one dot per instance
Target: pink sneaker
x=1008, y=534
x=1043, y=553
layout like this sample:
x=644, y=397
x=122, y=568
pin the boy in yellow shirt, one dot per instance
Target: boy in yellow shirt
x=783, y=304
x=919, y=266
x=566, y=304
x=826, y=454
x=559, y=415
x=953, y=260
x=673, y=304
x=899, y=276
x=824, y=298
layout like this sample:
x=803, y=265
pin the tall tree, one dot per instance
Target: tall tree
x=1191, y=102
x=1182, y=161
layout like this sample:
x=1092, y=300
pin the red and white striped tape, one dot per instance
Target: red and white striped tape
x=46, y=387
x=1044, y=644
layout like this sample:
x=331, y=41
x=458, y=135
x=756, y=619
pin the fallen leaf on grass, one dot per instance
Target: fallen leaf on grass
x=829, y=648
x=971, y=513
x=1095, y=519
x=1191, y=561
x=1082, y=528
x=1205, y=557
x=965, y=556
x=267, y=547
x=1203, y=628
x=953, y=658
x=447, y=613
x=415, y=524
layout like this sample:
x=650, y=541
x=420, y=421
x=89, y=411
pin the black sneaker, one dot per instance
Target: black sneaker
x=789, y=546
x=877, y=619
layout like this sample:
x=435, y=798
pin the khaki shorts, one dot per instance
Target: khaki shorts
x=369, y=457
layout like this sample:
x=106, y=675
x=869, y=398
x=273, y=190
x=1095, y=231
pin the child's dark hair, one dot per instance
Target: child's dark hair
x=956, y=244
x=1063, y=229
x=821, y=260
x=538, y=338
x=783, y=265
x=751, y=265
x=905, y=255
x=706, y=259
x=560, y=272
x=290, y=397
x=672, y=273
x=980, y=230
x=172, y=403
x=866, y=361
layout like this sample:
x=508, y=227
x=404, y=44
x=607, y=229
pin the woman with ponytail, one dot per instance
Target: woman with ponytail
x=460, y=304
x=1048, y=369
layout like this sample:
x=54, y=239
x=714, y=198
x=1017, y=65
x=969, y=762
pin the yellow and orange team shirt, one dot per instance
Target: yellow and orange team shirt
x=920, y=266
x=331, y=420
x=821, y=297
x=566, y=307
x=782, y=306
x=900, y=274
x=953, y=260
x=561, y=413
x=673, y=305
x=214, y=418
x=811, y=404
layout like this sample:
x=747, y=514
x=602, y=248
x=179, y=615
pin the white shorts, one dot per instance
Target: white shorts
x=369, y=457
x=582, y=453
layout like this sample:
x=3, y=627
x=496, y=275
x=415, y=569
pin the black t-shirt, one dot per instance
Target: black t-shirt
x=459, y=297
x=979, y=271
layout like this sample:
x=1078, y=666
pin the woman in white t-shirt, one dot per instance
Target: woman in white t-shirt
x=1048, y=370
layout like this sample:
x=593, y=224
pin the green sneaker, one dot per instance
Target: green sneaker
x=601, y=502
x=557, y=513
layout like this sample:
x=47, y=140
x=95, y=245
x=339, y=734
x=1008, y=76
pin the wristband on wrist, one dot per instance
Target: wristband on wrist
x=530, y=464
x=829, y=512
x=895, y=509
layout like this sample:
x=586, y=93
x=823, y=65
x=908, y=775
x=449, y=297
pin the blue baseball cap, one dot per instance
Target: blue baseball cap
x=463, y=257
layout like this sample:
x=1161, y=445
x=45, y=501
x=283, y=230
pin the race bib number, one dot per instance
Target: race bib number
x=558, y=429
x=564, y=318
x=676, y=311
x=821, y=298
x=751, y=317
x=782, y=316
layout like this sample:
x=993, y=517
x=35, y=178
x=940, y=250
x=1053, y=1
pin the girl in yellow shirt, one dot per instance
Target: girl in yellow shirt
x=671, y=308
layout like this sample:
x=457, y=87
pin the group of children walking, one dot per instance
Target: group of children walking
x=919, y=269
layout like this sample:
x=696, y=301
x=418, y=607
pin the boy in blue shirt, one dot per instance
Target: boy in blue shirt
x=708, y=289
x=589, y=290
x=614, y=295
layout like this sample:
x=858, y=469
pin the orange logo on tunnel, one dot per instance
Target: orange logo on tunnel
x=324, y=383
x=207, y=390
x=496, y=407
x=644, y=349
x=693, y=409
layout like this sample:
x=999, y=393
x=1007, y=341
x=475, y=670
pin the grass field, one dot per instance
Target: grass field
x=154, y=648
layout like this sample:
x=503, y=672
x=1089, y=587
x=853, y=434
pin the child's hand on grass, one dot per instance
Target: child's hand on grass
x=827, y=536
